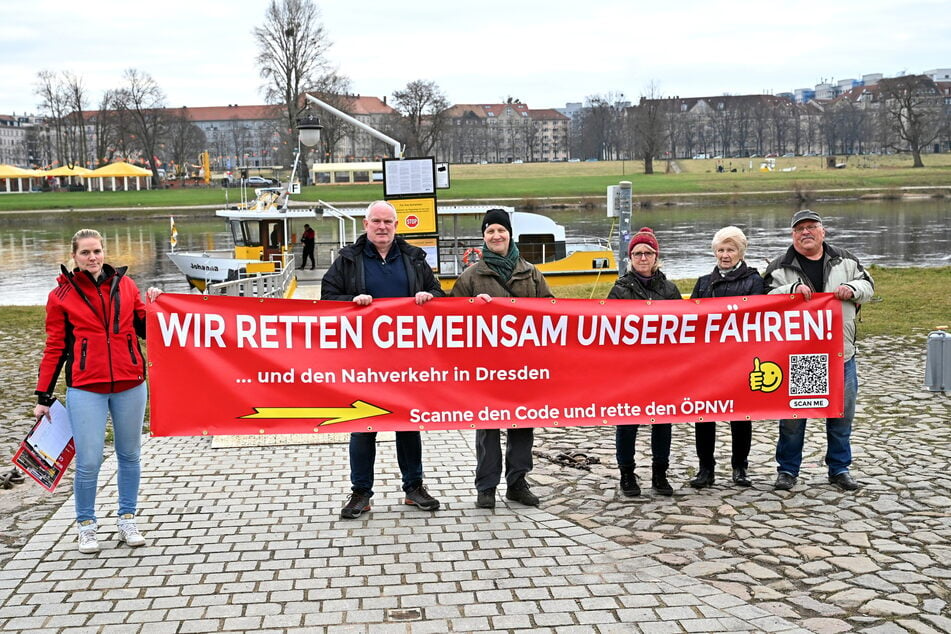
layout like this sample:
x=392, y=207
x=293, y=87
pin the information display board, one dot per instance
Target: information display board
x=409, y=177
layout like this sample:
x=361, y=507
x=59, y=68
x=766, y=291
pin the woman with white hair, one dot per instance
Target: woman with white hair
x=731, y=277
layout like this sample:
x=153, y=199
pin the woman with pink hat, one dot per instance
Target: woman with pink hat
x=644, y=280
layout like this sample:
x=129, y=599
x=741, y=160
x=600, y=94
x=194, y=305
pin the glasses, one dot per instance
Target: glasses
x=642, y=254
x=809, y=228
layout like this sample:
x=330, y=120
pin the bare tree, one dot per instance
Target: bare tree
x=292, y=49
x=54, y=104
x=602, y=125
x=185, y=141
x=106, y=129
x=649, y=123
x=76, y=99
x=143, y=102
x=914, y=108
x=722, y=120
x=423, y=107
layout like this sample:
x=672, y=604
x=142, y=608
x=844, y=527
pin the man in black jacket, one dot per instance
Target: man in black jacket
x=380, y=264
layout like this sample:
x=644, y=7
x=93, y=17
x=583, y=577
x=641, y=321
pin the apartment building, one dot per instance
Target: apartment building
x=17, y=140
x=504, y=133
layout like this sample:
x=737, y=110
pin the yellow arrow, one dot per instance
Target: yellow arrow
x=355, y=411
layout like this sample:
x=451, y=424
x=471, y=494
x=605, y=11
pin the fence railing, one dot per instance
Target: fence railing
x=259, y=284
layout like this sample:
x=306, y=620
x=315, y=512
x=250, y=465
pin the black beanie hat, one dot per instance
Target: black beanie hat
x=497, y=217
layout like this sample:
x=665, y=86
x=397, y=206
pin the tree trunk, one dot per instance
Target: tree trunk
x=916, y=154
x=648, y=164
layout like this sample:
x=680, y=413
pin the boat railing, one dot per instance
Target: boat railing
x=455, y=254
x=259, y=284
x=588, y=243
x=342, y=218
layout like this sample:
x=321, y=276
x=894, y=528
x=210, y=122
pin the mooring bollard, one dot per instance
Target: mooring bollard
x=938, y=360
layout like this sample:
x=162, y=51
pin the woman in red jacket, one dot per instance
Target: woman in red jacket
x=94, y=318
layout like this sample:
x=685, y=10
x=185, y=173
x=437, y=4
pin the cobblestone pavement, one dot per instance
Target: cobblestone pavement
x=248, y=539
x=877, y=560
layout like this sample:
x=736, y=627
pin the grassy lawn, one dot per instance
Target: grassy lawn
x=530, y=182
x=908, y=301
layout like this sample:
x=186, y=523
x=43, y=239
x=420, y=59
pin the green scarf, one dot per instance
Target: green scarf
x=502, y=265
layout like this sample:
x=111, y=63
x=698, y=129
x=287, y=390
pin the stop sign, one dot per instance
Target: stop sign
x=412, y=221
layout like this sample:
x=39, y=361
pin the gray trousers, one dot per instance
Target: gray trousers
x=518, y=456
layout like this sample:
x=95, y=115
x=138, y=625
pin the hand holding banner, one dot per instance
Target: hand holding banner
x=291, y=366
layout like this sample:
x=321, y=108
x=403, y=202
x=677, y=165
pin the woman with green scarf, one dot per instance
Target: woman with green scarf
x=502, y=273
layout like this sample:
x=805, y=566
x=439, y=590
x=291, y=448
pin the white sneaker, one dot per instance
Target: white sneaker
x=87, y=537
x=128, y=532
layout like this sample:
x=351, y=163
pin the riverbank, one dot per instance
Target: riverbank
x=540, y=185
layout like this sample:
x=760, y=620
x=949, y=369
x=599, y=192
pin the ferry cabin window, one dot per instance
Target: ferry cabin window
x=275, y=232
x=539, y=248
x=246, y=233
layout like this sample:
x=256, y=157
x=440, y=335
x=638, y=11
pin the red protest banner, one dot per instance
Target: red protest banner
x=225, y=365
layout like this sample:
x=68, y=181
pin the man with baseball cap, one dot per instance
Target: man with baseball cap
x=811, y=265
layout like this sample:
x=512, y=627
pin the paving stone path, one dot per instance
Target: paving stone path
x=877, y=560
x=248, y=539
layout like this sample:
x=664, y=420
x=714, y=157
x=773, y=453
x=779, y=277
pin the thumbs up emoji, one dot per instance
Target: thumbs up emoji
x=766, y=376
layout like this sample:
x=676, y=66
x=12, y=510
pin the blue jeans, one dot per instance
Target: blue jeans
x=624, y=439
x=409, y=455
x=792, y=434
x=87, y=414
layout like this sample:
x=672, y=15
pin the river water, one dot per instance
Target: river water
x=887, y=233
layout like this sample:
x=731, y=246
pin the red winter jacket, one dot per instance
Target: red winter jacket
x=93, y=328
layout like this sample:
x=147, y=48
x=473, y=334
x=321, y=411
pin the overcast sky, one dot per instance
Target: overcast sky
x=544, y=52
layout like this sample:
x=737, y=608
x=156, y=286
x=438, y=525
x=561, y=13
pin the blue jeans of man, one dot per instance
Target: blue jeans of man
x=792, y=434
x=624, y=438
x=87, y=415
x=409, y=455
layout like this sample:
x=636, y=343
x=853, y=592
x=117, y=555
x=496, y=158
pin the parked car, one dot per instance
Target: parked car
x=260, y=181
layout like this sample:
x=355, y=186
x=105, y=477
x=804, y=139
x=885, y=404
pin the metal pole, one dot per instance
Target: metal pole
x=397, y=146
x=622, y=205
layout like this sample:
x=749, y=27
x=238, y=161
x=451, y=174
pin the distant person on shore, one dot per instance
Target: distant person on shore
x=502, y=272
x=811, y=265
x=94, y=319
x=308, y=238
x=644, y=280
x=731, y=277
x=381, y=264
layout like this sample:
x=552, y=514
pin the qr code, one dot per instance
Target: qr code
x=808, y=374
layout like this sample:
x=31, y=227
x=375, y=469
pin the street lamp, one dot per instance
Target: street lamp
x=308, y=133
x=308, y=129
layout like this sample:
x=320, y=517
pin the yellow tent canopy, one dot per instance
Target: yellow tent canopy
x=66, y=170
x=125, y=171
x=11, y=171
x=118, y=170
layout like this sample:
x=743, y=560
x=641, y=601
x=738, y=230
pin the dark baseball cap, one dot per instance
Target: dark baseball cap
x=805, y=214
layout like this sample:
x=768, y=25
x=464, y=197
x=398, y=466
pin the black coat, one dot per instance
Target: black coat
x=658, y=287
x=344, y=280
x=741, y=281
